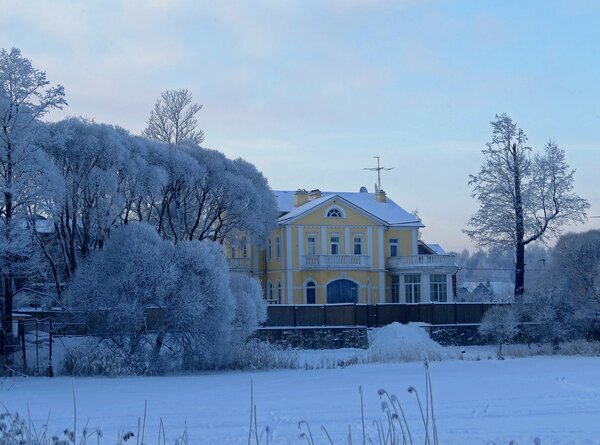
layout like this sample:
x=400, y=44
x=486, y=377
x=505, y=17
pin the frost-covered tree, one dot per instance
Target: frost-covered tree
x=521, y=198
x=575, y=264
x=250, y=307
x=173, y=119
x=93, y=160
x=200, y=313
x=499, y=324
x=27, y=178
x=115, y=285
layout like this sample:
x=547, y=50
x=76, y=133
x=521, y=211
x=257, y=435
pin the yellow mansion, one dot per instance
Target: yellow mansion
x=346, y=247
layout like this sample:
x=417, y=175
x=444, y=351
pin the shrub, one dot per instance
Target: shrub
x=93, y=357
x=500, y=325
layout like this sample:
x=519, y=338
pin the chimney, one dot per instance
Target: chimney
x=314, y=194
x=380, y=196
x=300, y=197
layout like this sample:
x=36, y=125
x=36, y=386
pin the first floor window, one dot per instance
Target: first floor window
x=278, y=292
x=439, y=287
x=277, y=248
x=269, y=247
x=270, y=292
x=395, y=289
x=412, y=288
x=244, y=248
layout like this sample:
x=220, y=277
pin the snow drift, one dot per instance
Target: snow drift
x=403, y=343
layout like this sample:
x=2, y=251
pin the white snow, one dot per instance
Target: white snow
x=554, y=398
x=398, y=342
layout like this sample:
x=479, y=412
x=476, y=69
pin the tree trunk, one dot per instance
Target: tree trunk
x=520, y=227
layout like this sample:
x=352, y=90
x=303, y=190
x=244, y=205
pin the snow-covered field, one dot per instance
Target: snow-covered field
x=554, y=398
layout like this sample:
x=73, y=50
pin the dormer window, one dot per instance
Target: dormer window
x=334, y=213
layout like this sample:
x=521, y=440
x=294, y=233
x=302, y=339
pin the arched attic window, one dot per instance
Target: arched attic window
x=334, y=212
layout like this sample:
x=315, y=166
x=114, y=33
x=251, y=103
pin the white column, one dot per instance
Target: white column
x=425, y=288
x=381, y=264
x=290, y=274
x=300, y=245
x=347, y=240
x=415, y=241
x=402, y=289
x=324, y=240
x=370, y=244
x=382, y=287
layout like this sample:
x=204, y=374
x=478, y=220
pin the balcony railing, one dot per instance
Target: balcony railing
x=239, y=263
x=417, y=261
x=336, y=262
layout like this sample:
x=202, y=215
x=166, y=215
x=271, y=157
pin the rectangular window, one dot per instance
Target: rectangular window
x=357, y=245
x=231, y=252
x=277, y=248
x=393, y=246
x=395, y=289
x=269, y=252
x=439, y=287
x=334, y=245
x=311, y=242
x=412, y=287
x=244, y=248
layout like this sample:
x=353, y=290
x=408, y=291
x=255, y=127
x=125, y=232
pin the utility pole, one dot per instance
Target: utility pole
x=378, y=170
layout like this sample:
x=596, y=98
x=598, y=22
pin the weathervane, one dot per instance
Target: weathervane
x=378, y=170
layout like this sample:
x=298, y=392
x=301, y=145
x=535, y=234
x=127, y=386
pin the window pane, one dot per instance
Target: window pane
x=357, y=246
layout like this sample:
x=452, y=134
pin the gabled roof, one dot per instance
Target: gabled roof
x=388, y=213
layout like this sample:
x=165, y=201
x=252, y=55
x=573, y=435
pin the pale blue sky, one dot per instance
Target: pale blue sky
x=310, y=91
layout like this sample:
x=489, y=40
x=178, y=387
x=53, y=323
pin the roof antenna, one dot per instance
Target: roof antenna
x=378, y=170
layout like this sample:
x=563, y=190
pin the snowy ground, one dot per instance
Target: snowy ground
x=554, y=398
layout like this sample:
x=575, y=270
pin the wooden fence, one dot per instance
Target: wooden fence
x=372, y=315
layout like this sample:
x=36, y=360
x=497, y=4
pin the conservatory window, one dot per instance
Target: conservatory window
x=439, y=287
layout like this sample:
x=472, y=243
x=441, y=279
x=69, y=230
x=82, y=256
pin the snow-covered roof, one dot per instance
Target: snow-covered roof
x=388, y=212
x=439, y=250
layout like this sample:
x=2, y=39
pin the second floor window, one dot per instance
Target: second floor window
x=357, y=245
x=334, y=245
x=311, y=243
x=394, y=247
x=277, y=248
x=269, y=252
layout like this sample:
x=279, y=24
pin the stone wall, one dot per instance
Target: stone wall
x=316, y=337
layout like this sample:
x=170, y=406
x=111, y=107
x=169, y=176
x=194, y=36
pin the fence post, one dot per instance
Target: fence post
x=22, y=334
x=295, y=318
x=324, y=315
x=37, y=345
x=50, y=370
x=355, y=322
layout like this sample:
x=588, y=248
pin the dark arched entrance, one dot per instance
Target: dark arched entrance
x=311, y=294
x=342, y=291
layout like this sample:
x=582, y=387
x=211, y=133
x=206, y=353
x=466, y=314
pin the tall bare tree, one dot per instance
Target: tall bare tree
x=173, y=119
x=522, y=198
